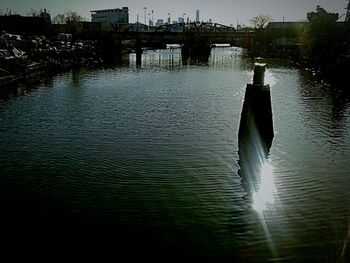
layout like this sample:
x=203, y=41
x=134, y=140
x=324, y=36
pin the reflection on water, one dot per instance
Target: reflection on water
x=264, y=195
x=171, y=58
x=187, y=60
x=263, y=202
x=144, y=162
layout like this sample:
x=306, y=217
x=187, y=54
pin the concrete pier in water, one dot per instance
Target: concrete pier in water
x=256, y=123
x=255, y=132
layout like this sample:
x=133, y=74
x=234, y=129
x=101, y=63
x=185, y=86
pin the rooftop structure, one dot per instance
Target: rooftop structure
x=111, y=16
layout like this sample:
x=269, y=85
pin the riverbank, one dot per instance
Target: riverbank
x=27, y=59
x=333, y=71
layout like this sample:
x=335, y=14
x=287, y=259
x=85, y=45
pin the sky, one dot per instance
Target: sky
x=220, y=11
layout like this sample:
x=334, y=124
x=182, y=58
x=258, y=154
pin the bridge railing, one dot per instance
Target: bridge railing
x=194, y=27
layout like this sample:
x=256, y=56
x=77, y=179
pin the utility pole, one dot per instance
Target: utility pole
x=145, y=9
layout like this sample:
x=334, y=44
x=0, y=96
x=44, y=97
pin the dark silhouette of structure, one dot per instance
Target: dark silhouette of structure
x=255, y=131
x=256, y=117
x=28, y=24
x=321, y=11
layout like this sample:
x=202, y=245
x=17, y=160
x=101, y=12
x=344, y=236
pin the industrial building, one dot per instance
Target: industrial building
x=111, y=16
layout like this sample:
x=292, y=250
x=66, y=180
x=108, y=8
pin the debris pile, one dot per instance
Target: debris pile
x=28, y=57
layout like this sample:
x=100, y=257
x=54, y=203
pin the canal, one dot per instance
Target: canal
x=143, y=161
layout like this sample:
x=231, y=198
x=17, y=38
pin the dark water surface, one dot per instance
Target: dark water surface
x=144, y=162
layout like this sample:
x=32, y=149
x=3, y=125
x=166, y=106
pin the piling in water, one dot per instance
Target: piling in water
x=256, y=125
x=259, y=74
x=255, y=132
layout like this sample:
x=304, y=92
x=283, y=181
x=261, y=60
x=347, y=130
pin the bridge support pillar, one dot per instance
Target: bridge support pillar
x=138, y=51
x=196, y=50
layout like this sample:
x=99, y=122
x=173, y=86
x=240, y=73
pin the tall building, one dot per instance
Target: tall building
x=197, y=16
x=111, y=16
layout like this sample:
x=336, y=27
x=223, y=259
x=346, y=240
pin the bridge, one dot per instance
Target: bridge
x=187, y=34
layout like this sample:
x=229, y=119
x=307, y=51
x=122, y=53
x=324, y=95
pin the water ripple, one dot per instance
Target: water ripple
x=153, y=152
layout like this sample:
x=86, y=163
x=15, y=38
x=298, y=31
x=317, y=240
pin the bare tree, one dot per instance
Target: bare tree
x=260, y=21
x=59, y=19
x=74, y=23
x=69, y=17
x=40, y=13
x=73, y=17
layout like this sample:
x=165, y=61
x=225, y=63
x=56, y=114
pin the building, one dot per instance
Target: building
x=197, y=16
x=160, y=22
x=181, y=20
x=111, y=16
x=138, y=27
x=282, y=39
x=286, y=30
x=286, y=25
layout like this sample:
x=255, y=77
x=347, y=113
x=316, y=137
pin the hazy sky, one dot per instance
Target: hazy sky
x=221, y=11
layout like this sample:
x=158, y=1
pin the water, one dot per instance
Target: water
x=144, y=162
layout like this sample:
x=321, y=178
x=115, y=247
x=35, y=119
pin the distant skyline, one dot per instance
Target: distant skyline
x=223, y=11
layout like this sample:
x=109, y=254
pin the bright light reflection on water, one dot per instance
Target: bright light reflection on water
x=270, y=78
x=264, y=196
x=264, y=201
